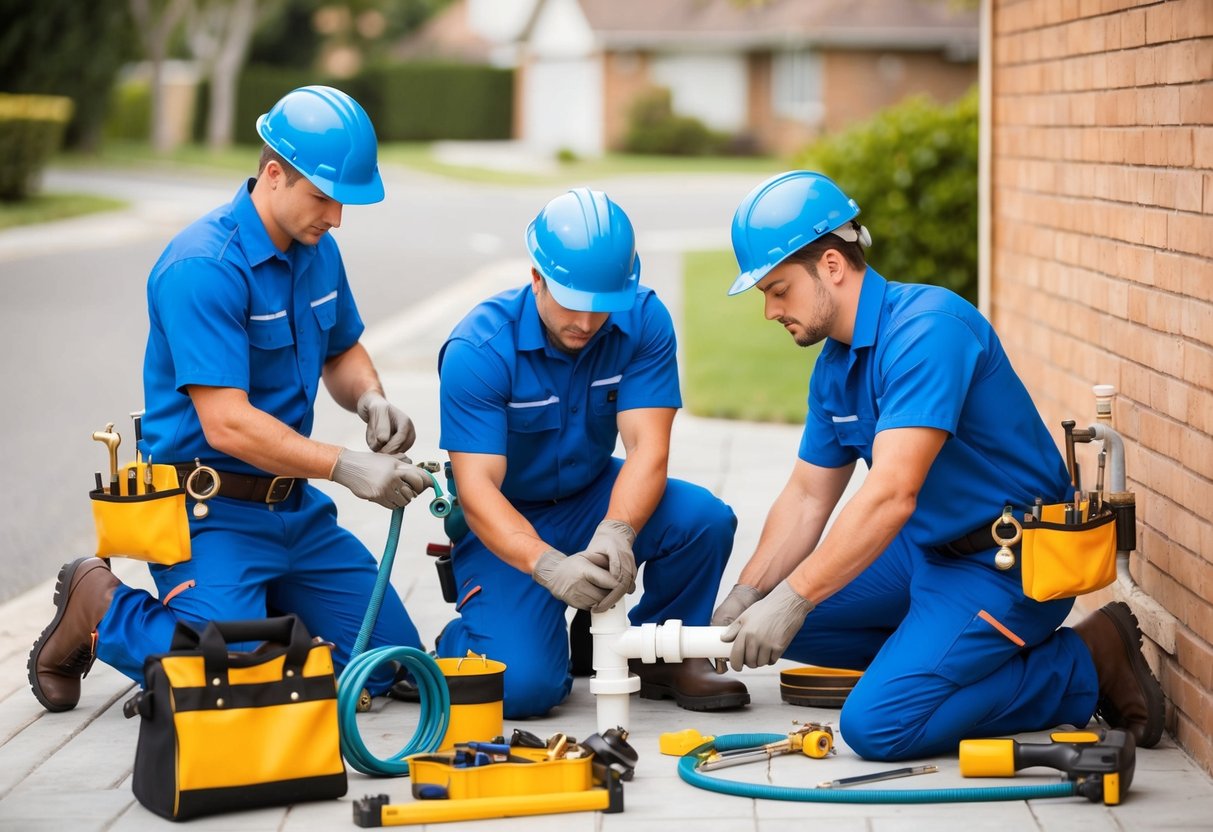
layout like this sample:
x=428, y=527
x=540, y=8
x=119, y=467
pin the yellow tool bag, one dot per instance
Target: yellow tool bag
x=1062, y=561
x=143, y=523
x=224, y=731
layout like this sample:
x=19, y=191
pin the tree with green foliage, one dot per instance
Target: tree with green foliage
x=913, y=170
x=66, y=47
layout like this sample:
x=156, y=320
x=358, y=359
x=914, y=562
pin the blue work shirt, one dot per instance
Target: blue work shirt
x=923, y=357
x=228, y=309
x=506, y=390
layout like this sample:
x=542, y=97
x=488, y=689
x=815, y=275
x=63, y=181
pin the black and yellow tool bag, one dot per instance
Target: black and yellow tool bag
x=1061, y=561
x=225, y=731
x=145, y=526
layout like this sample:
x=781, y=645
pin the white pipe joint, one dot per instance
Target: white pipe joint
x=615, y=642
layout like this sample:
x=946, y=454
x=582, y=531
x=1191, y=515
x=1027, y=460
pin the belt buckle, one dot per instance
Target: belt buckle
x=280, y=489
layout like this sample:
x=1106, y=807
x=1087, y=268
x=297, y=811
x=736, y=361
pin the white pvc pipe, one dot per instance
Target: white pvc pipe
x=615, y=642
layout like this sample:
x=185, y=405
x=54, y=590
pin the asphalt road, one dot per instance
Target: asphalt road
x=73, y=322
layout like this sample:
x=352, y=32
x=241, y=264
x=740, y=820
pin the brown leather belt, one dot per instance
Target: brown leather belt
x=247, y=487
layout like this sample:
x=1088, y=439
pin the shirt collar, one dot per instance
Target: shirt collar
x=867, y=313
x=254, y=239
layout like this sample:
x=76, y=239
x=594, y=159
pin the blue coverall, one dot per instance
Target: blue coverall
x=228, y=309
x=950, y=646
x=506, y=390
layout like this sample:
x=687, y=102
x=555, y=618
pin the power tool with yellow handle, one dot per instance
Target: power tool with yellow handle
x=1100, y=763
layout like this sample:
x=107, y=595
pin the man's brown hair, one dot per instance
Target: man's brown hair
x=268, y=154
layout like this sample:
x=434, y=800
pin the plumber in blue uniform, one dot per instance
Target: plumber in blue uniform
x=912, y=380
x=249, y=310
x=537, y=384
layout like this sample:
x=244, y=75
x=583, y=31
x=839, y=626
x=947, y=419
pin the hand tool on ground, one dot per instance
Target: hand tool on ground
x=111, y=441
x=1099, y=763
x=589, y=777
x=811, y=739
x=877, y=776
x=688, y=770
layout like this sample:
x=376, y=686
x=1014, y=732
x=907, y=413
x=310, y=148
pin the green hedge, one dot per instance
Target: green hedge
x=654, y=128
x=422, y=101
x=31, y=131
x=913, y=171
x=130, y=113
x=407, y=102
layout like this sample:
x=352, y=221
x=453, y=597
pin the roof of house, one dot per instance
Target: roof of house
x=447, y=35
x=923, y=24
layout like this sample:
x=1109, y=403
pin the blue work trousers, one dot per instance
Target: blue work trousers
x=249, y=558
x=951, y=649
x=506, y=616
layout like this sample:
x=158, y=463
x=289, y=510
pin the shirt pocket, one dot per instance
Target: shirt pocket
x=855, y=432
x=533, y=416
x=270, y=332
x=325, y=310
x=604, y=396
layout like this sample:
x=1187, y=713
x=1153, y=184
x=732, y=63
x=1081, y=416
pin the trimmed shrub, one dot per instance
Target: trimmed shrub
x=654, y=128
x=31, y=131
x=130, y=114
x=913, y=170
x=422, y=101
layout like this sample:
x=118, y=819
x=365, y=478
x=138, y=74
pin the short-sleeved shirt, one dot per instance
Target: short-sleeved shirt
x=228, y=309
x=506, y=390
x=922, y=356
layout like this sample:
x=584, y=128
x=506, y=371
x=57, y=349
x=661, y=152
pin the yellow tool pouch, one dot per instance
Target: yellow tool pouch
x=151, y=527
x=1060, y=561
x=224, y=730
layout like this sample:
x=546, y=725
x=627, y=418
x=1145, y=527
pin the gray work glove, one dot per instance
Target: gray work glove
x=611, y=549
x=764, y=631
x=575, y=579
x=740, y=598
x=389, y=430
x=387, y=480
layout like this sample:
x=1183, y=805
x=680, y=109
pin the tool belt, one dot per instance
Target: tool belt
x=223, y=731
x=253, y=489
x=1058, y=559
x=148, y=524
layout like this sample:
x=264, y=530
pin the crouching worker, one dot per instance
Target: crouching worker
x=912, y=380
x=537, y=383
x=249, y=309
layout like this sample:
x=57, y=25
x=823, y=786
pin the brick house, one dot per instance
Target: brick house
x=776, y=72
x=1097, y=267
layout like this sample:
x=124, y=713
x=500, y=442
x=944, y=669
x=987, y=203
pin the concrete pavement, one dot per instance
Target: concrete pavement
x=72, y=770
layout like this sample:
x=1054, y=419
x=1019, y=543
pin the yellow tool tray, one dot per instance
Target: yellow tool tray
x=504, y=779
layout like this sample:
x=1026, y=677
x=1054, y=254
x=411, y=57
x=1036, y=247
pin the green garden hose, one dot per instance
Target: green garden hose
x=431, y=684
x=689, y=772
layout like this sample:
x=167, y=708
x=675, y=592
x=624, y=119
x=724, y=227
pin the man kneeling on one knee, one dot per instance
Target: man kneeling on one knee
x=537, y=384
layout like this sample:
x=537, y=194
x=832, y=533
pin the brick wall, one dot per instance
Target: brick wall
x=860, y=83
x=1102, y=272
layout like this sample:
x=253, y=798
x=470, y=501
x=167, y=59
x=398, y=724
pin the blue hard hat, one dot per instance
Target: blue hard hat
x=329, y=138
x=584, y=246
x=783, y=214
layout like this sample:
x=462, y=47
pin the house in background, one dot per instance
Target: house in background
x=777, y=72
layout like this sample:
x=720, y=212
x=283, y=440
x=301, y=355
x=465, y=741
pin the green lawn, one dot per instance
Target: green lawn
x=739, y=365
x=47, y=207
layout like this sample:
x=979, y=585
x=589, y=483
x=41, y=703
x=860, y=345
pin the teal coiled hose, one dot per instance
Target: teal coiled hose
x=689, y=772
x=431, y=684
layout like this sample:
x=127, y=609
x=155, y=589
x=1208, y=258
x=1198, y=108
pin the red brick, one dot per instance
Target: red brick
x=1193, y=18
x=1196, y=450
x=1197, y=324
x=1207, y=197
x=1159, y=23
x=1191, y=233
x=1195, y=102
x=1202, y=145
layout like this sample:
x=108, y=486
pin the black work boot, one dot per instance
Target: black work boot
x=67, y=648
x=1129, y=695
x=692, y=684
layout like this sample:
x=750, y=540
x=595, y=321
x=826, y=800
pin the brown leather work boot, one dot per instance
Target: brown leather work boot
x=692, y=684
x=66, y=650
x=1129, y=695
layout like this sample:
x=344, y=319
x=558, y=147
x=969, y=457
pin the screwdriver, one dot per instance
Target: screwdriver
x=891, y=774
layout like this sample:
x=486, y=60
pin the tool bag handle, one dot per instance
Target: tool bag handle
x=287, y=631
